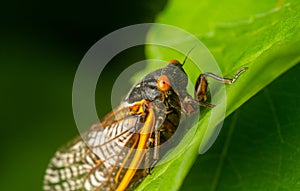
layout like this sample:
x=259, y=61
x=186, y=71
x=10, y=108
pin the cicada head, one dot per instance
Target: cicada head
x=170, y=80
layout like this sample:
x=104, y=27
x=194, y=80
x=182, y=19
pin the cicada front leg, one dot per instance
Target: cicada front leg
x=202, y=84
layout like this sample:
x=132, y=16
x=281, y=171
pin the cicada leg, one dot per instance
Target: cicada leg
x=202, y=84
x=148, y=157
x=156, y=143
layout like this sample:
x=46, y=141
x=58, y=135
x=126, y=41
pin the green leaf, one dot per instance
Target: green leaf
x=263, y=36
x=259, y=146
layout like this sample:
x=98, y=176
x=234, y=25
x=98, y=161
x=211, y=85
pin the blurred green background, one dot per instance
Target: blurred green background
x=41, y=45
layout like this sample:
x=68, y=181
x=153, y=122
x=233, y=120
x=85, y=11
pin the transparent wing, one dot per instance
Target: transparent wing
x=100, y=163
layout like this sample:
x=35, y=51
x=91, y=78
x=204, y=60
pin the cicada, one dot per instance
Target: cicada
x=123, y=147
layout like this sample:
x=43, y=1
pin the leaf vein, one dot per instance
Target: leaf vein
x=224, y=151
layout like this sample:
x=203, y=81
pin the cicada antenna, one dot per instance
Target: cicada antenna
x=187, y=55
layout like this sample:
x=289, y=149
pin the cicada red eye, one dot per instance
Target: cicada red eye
x=163, y=83
x=175, y=62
